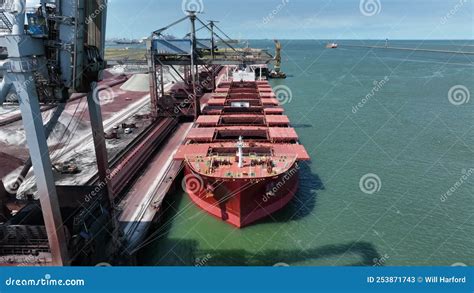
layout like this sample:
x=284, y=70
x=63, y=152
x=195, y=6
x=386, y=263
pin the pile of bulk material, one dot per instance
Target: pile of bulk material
x=137, y=83
x=117, y=69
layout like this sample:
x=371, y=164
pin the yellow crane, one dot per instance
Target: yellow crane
x=276, y=72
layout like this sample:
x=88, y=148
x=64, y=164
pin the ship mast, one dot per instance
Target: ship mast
x=240, y=151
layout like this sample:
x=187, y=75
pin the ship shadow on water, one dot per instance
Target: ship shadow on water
x=304, y=201
x=300, y=126
x=366, y=253
x=190, y=255
x=168, y=251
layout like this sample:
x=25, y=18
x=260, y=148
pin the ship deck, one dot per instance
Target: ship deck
x=254, y=166
x=248, y=113
x=276, y=149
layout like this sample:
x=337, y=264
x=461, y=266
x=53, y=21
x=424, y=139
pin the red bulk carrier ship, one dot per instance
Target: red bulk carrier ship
x=241, y=157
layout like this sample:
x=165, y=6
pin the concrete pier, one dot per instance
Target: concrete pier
x=144, y=200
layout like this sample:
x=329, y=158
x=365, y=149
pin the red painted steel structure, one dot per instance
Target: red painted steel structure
x=241, y=157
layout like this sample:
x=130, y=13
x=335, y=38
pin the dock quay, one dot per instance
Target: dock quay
x=143, y=202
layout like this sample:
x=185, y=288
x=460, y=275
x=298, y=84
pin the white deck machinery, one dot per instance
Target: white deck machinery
x=54, y=50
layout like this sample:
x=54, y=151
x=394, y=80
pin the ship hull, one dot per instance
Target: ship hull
x=241, y=202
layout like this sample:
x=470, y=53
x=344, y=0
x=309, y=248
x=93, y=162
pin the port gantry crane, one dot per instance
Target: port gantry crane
x=60, y=51
x=193, y=54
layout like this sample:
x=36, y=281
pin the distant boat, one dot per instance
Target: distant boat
x=332, y=46
x=126, y=42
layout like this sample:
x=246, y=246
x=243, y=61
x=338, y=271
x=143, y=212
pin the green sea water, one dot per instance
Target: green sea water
x=376, y=114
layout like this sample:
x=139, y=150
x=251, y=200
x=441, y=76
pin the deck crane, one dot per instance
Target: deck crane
x=276, y=72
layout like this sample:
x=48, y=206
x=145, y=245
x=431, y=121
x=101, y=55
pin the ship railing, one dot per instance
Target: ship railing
x=257, y=167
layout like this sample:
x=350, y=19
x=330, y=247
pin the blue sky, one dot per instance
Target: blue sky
x=302, y=19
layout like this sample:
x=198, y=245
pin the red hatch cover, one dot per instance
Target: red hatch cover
x=275, y=110
x=222, y=90
x=210, y=111
x=282, y=134
x=216, y=102
x=206, y=98
x=267, y=95
x=219, y=95
x=273, y=102
x=277, y=119
x=201, y=134
x=191, y=149
x=288, y=149
x=208, y=120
